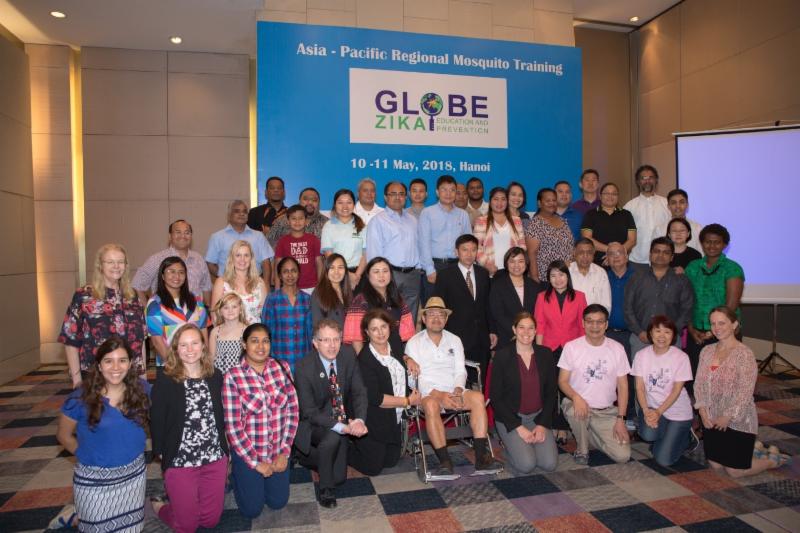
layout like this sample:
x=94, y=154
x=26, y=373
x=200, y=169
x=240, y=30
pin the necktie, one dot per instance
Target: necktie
x=470, y=286
x=337, y=402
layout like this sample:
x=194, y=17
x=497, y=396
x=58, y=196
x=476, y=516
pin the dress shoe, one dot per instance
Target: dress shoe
x=327, y=498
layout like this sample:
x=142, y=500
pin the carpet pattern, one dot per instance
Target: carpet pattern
x=36, y=483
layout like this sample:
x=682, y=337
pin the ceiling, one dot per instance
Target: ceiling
x=226, y=26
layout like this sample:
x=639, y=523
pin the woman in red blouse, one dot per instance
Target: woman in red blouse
x=106, y=307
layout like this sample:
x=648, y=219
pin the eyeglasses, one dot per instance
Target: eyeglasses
x=330, y=340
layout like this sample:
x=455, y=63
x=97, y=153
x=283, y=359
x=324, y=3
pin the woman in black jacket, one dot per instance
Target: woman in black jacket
x=188, y=431
x=385, y=377
x=523, y=394
x=512, y=291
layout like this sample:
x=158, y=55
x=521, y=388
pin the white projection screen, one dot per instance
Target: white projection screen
x=749, y=181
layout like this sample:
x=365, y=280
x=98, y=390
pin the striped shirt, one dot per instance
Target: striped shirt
x=289, y=325
x=164, y=322
x=261, y=412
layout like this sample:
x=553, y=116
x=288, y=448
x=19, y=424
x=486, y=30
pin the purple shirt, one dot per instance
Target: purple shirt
x=582, y=206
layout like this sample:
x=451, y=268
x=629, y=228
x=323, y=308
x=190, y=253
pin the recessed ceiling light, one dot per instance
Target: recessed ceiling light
x=634, y=19
x=175, y=40
x=58, y=14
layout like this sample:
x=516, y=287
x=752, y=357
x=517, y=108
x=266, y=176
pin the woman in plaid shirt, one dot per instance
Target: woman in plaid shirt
x=261, y=418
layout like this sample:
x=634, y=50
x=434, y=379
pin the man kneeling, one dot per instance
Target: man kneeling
x=594, y=373
x=436, y=356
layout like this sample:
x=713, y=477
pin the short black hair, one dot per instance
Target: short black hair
x=309, y=189
x=474, y=178
x=716, y=229
x=595, y=308
x=680, y=221
x=642, y=168
x=467, y=237
x=589, y=171
x=386, y=187
x=294, y=209
x=274, y=178
x=445, y=178
x=677, y=192
x=562, y=182
x=420, y=181
x=607, y=185
x=584, y=240
x=662, y=240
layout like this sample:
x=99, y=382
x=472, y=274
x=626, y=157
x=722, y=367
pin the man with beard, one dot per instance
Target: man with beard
x=649, y=210
x=309, y=198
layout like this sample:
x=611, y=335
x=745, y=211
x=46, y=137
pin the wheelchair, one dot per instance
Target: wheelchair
x=457, y=428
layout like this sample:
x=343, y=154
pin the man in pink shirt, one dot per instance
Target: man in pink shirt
x=594, y=373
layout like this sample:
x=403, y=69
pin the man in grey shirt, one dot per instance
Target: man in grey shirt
x=657, y=290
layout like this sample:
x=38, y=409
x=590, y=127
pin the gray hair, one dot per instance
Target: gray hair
x=367, y=180
x=234, y=204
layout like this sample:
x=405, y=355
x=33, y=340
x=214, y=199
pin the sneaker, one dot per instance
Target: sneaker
x=487, y=466
x=580, y=458
x=66, y=519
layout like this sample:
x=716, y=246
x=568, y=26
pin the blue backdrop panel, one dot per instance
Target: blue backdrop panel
x=338, y=104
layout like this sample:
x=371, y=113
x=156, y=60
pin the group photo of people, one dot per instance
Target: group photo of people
x=558, y=321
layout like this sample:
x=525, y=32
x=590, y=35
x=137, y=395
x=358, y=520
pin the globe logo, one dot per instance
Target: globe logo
x=432, y=105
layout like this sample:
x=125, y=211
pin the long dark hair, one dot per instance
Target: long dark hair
x=135, y=403
x=357, y=219
x=509, y=215
x=187, y=298
x=328, y=299
x=561, y=266
x=373, y=298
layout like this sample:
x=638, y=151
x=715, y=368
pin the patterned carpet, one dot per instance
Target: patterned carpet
x=36, y=477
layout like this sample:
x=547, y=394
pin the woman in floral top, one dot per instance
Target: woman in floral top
x=106, y=307
x=724, y=385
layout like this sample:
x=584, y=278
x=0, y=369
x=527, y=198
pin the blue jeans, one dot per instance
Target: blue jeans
x=670, y=439
x=252, y=490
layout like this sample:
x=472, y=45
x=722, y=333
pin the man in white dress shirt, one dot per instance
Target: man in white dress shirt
x=588, y=277
x=366, y=207
x=649, y=212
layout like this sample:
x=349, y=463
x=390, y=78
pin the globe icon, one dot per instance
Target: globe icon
x=431, y=104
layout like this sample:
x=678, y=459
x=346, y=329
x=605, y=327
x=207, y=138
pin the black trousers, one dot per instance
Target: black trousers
x=328, y=456
x=369, y=456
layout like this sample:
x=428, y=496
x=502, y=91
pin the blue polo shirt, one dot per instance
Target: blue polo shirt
x=573, y=218
x=616, y=319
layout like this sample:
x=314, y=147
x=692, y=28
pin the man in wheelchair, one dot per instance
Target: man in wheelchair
x=436, y=357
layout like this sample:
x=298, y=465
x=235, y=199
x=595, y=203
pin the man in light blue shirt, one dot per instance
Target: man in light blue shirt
x=392, y=234
x=221, y=241
x=439, y=227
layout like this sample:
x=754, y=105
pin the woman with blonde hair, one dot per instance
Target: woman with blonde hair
x=225, y=345
x=107, y=306
x=497, y=232
x=188, y=431
x=241, y=276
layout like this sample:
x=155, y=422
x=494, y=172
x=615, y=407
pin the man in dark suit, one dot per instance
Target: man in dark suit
x=464, y=287
x=333, y=406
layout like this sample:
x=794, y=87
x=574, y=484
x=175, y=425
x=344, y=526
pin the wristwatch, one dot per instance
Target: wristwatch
x=622, y=417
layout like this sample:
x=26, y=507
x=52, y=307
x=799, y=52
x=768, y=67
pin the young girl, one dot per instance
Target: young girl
x=287, y=314
x=187, y=428
x=225, y=345
x=260, y=457
x=103, y=424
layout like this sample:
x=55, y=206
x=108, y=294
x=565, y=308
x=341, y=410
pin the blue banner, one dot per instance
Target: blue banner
x=339, y=104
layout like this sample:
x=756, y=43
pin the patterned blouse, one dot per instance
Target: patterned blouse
x=289, y=325
x=485, y=238
x=200, y=441
x=89, y=322
x=401, y=331
x=252, y=301
x=554, y=243
x=728, y=390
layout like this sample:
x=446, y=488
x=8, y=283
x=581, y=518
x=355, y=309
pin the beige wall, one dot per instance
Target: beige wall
x=165, y=136
x=606, y=105
x=539, y=21
x=19, y=328
x=56, y=251
x=709, y=64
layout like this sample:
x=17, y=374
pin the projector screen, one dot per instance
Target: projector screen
x=744, y=180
